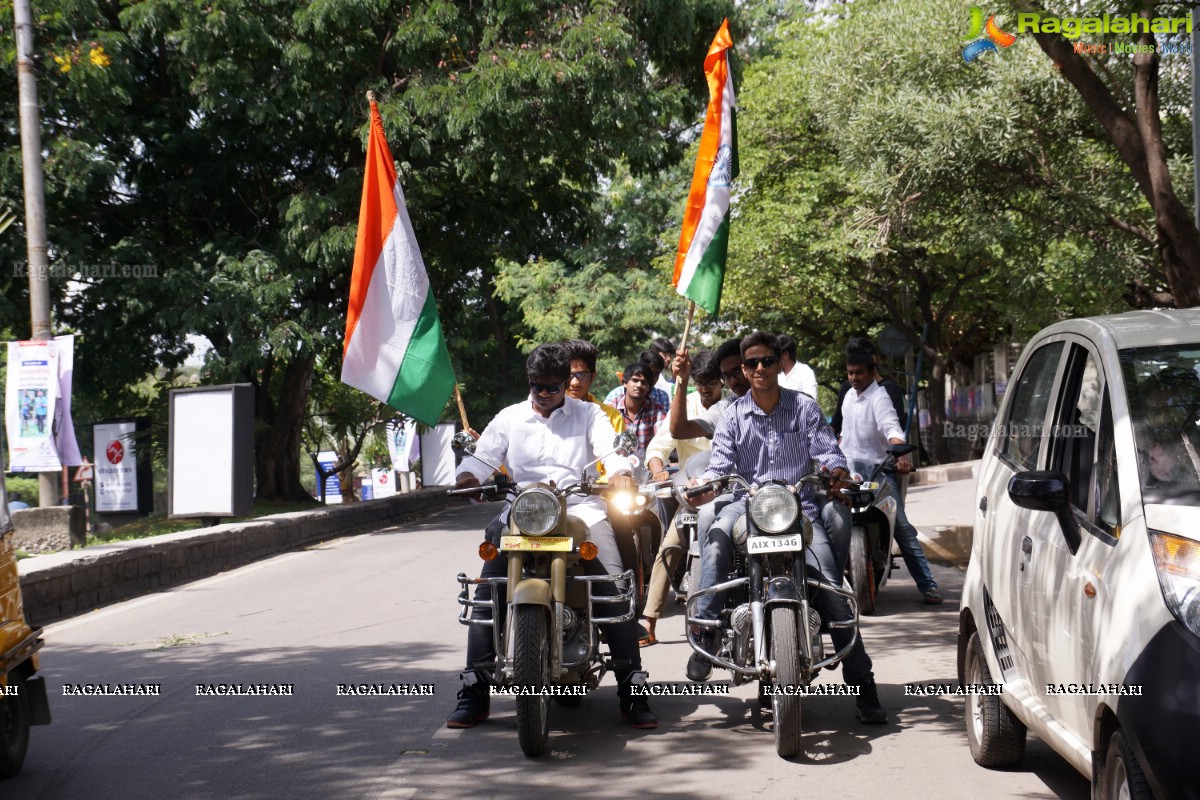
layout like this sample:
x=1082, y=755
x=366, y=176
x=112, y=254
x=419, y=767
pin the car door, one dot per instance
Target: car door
x=1017, y=447
x=1071, y=590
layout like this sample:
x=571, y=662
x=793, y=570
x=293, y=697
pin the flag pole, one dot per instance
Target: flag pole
x=462, y=409
x=687, y=326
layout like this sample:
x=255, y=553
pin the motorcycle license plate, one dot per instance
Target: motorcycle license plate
x=537, y=544
x=774, y=544
x=685, y=518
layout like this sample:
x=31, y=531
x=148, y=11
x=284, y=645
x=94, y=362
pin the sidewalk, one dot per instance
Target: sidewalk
x=941, y=505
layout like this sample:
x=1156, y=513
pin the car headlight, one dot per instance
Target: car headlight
x=535, y=512
x=773, y=509
x=1177, y=561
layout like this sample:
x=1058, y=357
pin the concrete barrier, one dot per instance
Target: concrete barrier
x=75, y=581
x=45, y=530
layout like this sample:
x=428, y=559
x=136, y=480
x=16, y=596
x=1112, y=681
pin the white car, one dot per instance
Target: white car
x=1081, y=604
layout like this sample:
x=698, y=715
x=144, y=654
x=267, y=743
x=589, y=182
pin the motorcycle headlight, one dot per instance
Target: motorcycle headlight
x=627, y=502
x=535, y=512
x=773, y=509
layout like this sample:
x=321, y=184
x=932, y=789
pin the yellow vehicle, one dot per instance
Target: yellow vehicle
x=22, y=692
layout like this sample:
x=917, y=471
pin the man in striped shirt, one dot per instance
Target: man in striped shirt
x=769, y=434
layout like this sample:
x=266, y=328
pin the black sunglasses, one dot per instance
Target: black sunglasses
x=548, y=388
x=581, y=376
x=752, y=363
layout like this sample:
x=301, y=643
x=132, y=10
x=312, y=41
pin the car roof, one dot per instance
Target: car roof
x=1136, y=328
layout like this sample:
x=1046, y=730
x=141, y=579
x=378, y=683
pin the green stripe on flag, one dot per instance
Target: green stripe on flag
x=705, y=285
x=426, y=379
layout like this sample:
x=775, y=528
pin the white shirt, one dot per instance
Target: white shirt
x=801, y=378
x=868, y=422
x=712, y=415
x=558, y=448
x=663, y=442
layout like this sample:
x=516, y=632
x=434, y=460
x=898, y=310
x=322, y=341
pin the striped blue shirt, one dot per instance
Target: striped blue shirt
x=762, y=447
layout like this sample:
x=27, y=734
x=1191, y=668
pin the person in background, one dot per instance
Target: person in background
x=729, y=362
x=861, y=344
x=654, y=362
x=707, y=394
x=869, y=425
x=795, y=375
x=583, y=373
x=643, y=413
x=666, y=351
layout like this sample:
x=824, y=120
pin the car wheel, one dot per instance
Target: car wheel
x=996, y=736
x=1123, y=778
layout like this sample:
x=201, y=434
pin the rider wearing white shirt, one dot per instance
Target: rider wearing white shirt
x=869, y=425
x=795, y=375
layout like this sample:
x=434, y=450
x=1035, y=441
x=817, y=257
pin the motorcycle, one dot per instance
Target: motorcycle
x=638, y=531
x=687, y=572
x=873, y=525
x=549, y=644
x=769, y=630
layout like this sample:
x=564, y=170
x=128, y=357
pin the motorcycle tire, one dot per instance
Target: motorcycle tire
x=15, y=719
x=862, y=571
x=531, y=667
x=785, y=708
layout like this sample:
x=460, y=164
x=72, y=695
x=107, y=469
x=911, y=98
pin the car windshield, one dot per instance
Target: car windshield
x=1163, y=385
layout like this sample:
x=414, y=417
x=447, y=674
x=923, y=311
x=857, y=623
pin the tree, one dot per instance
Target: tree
x=223, y=144
x=1145, y=118
x=913, y=189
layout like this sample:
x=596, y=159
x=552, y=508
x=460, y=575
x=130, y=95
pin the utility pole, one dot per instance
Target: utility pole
x=35, y=202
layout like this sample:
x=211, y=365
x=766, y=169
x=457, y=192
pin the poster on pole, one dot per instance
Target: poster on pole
x=333, y=487
x=383, y=483
x=401, y=441
x=116, y=467
x=37, y=405
x=437, y=458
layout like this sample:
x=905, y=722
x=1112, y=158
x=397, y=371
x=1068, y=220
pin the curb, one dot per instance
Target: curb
x=61, y=585
x=948, y=545
x=944, y=473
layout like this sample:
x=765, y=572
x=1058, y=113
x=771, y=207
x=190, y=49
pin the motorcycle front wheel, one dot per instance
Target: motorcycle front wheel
x=785, y=707
x=531, y=668
x=862, y=571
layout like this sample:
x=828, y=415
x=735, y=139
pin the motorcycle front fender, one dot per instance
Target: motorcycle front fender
x=532, y=591
x=782, y=590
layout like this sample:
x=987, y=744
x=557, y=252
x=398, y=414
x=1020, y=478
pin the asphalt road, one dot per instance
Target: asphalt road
x=380, y=608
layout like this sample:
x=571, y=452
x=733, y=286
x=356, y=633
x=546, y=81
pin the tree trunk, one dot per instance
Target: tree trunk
x=277, y=455
x=1138, y=140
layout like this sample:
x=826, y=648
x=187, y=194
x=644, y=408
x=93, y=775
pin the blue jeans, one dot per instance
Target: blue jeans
x=827, y=555
x=905, y=533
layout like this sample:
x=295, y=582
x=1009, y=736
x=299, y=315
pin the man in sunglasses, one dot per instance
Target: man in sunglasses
x=550, y=437
x=772, y=433
x=583, y=373
x=729, y=365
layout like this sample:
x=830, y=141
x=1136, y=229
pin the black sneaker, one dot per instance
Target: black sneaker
x=869, y=709
x=699, y=668
x=474, y=703
x=635, y=708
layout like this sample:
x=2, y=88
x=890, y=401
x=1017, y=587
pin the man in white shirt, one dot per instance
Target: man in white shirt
x=869, y=425
x=551, y=437
x=795, y=375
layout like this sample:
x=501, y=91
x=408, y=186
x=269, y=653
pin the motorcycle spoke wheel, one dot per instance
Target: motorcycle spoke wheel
x=531, y=667
x=785, y=708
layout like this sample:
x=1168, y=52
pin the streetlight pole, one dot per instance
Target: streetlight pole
x=35, y=201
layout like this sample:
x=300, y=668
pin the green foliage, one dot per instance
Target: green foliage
x=223, y=145
x=22, y=487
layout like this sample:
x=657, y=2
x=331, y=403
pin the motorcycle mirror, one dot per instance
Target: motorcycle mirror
x=625, y=443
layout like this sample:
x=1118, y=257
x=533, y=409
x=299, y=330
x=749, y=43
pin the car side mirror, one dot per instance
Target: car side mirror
x=1046, y=490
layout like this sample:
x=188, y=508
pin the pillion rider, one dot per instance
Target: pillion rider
x=551, y=437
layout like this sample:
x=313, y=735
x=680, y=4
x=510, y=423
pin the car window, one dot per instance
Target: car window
x=1163, y=386
x=1022, y=430
x=1082, y=445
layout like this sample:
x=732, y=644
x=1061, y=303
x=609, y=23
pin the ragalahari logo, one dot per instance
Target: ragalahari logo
x=114, y=452
x=991, y=36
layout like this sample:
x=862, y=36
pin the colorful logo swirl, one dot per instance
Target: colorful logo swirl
x=991, y=36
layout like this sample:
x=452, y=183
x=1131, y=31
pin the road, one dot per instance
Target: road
x=380, y=608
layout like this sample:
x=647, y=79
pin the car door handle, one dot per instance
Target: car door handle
x=983, y=504
x=1026, y=552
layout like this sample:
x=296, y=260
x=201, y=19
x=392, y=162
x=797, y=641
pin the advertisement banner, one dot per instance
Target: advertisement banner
x=383, y=483
x=37, y=405
x=402, y=441
x=333, y=487
x=116, y=467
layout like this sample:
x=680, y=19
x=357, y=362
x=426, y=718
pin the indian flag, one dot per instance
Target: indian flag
x=700, y=260
x=394, y=348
